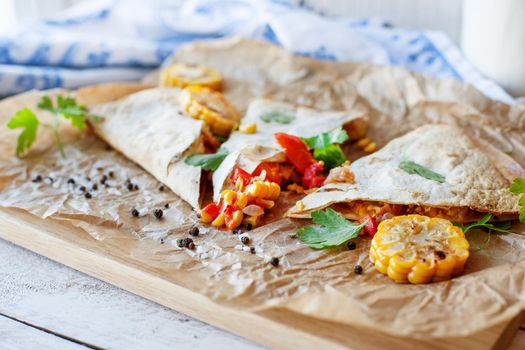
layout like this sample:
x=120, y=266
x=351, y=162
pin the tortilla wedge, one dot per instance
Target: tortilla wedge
x=150, y=128
x=476, y=180
x=249, y=150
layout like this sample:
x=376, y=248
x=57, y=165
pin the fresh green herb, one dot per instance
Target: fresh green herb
x=334, y=230
x=518, y=187
x=208, y=162
x=66, y=107
x=326, y=147
x=331, y=155
x=277, y=117
x=25, y=119
x=414, y=168
x=320, y=141
x=502, y=227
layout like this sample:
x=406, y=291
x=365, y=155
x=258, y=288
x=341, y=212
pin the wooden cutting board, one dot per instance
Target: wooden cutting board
x=279, y=329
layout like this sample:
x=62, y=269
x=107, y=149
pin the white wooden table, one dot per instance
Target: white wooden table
x=45, y=305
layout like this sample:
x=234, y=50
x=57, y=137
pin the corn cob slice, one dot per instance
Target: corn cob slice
x=419, y=249
x=183, y=74
x=211, y=107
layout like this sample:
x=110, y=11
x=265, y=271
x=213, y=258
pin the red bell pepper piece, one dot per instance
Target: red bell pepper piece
x=273, y=171
x=371, y=225
x=295, y=150
x=240, y=173
x=212, y=209
x=312, y=176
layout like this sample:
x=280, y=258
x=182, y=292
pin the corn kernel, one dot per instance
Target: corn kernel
x=372, y=147
x=229, y=196
x=205, y=217
x=235, y=221
x=219, y=220
x=265, y=203
x=363, y=143
x=248, y=128
x=241, y=200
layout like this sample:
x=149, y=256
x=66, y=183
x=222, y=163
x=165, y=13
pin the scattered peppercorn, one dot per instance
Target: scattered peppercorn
x=249, y=227
x=162, y=241
x=237, y=231
x=111, y=174
x=198, y=215
x=191, y=245
x=252, y=250
x=134, y=212
x=103, y=179
x=161, y=188
x=82, y=188
x=135, y=187
x=87, y=195
x=158, y=213
x=274, y=261
x=99, y=168
x=194, y=231
x=245, y=240
x=37, y=178
x=94, y=187
x=71, y=181
x=185, y=243
x=88, y=178
x=181, y=242
x=130, y=186
x=167, y=205
x=351, y=245
x=358, y=269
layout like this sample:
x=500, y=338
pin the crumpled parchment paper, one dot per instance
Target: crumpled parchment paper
x=320, y=284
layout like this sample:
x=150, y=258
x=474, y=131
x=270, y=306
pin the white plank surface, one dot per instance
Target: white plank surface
x=44, y=293
x=16, y=336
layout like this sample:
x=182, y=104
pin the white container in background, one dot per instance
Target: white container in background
x=493, y=39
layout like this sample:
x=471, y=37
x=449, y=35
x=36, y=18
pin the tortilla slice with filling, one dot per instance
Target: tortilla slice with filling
x=150, y=128
x=247, y=151
x=476, y=180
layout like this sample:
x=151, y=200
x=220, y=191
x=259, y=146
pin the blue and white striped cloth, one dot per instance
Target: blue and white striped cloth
x=110, y=40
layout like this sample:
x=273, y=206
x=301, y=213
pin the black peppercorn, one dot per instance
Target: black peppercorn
x=191, y=245
x=87, y=195
x=162, y=241
x=351, y=245
x=37, y=178
x=99, y=168
x=135, y=187
x=88, y=178
x=358, y=269
x=158, y=213
x=252, y=250
x=130, y=186
x=161, y=188
x=274, y=261
x=71, y=181
x=103, y=179
x=111, y=174
x=249, y=227
x=237, y=231
x=245, y=240
x=134, y=212
x=194, y=231
x=198, y=215
x=82, y=188
x=167, y=206
x=181, y=242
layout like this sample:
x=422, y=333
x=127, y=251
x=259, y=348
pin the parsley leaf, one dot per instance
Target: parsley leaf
x=414, y=168
x=502, y=227
x=277, y=117
x=208, y=162
x=68, y=108
x=338, y=135
x=518, y=187
x=335, y=230
x=25, y=119
x=326, y=147
x=331, y=155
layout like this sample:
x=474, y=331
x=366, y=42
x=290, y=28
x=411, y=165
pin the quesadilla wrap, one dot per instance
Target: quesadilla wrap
x=248, y=150
x=467, y=179
x=151, y=128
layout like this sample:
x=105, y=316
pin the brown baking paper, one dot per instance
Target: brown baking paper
x=320, y=284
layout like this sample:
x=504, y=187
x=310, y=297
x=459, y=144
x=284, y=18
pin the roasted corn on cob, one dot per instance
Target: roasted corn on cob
x=212, y=108
x=419, y=249
x=183, y=74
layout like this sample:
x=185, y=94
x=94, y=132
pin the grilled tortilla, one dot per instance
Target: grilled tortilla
x=150, y=128
x=249, y=150
x=477, y=178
